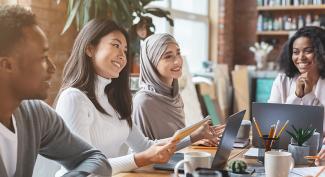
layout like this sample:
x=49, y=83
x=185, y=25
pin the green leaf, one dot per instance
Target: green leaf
x=71, y=16
x=292, y=135
x=146, y=2
x=160, y=13
x=294, y=128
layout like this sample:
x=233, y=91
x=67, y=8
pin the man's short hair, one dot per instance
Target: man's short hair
x=12, y=21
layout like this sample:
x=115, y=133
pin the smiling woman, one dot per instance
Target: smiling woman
x=303, y=80
x=109, y=56
x=158, y=106
x=303, y=62
x=95, y=99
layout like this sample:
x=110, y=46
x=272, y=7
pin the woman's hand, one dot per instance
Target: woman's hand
x=210, y=135
x=304, y=84
x=157, y=153
x=321, y=155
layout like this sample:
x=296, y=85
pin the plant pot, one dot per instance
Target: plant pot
x=313, y=143
x=231, y=174
x=298, y=153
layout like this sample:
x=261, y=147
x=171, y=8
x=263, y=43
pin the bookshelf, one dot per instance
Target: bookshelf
x=273, y=33
x=290, y=8
x=278, y=20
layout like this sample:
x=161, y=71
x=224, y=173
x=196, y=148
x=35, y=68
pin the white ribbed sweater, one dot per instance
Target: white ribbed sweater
x=284, y=91
x=107, y=133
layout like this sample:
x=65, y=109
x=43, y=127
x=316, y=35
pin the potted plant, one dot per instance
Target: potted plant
x=133, y=15
x=297, y=147
x=237, y=168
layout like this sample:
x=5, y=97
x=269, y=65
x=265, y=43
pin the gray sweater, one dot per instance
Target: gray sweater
x=41, y=131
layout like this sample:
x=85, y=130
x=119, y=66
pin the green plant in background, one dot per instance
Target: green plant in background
x=130, y=14
x=301, y=135
x=237, y=166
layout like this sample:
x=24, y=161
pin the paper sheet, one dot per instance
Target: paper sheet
x=306, y=171
x=251, y=153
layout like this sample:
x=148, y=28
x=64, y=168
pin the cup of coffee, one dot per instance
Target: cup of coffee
x=243, y=132
x=192, y=161
x=278, y=164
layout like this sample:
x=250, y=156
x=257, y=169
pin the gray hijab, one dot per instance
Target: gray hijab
x=158, y=108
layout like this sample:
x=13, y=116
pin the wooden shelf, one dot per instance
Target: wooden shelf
x=293, y=8
x=272, y=33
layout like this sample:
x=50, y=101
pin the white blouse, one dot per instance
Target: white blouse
x=105, y=132
x=284, y=88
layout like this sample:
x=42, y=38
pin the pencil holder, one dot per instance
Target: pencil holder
x=266, y=144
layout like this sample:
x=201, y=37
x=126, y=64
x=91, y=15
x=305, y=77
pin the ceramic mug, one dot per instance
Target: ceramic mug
x=278, y=164
x=193, y=160
x=244, y=130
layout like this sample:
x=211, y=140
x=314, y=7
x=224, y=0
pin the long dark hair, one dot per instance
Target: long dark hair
x=317, y=38
x=79, y=71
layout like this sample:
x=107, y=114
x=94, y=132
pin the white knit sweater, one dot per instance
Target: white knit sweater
x=107, y=133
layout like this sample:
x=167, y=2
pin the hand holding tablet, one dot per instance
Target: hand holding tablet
x=184, y=132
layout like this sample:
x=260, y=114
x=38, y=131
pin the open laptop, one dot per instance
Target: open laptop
x=224, y=148
x=300, y=116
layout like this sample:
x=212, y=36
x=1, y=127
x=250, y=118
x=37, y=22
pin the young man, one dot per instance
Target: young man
x=29, y=126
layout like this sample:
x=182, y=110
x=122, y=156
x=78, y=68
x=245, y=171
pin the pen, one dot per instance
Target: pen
x=257, y=127
x=320, y=172
x=284, y=126
x=276, y=128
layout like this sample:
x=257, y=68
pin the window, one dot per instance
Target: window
x=191, y=28
x=25, y=3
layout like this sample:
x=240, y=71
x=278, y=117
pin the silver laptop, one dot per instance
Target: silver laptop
x=300, y=116
x=224, y=149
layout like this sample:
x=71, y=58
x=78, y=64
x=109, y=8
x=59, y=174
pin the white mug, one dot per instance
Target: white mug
x=278, y=164
x=244, y=129
x=193, y=160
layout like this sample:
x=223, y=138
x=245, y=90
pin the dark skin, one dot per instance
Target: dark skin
x=25, y=73
x=303, y=57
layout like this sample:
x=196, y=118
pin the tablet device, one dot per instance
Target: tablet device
x=184, y=132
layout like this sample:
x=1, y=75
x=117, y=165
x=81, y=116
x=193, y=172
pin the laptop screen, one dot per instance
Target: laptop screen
x=227, y=141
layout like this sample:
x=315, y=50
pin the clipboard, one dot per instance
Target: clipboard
x=184, y=132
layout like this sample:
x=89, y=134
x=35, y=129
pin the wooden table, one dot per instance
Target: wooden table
x=148, y=171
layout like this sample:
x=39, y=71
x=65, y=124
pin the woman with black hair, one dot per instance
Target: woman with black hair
x=303, y=62
x=95, y=100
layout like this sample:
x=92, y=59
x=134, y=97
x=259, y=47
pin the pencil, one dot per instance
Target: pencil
x=284, y=126
x=312, y=157
x=271, y=132
x=271, y=135
x=320, y=171
x=257, y=127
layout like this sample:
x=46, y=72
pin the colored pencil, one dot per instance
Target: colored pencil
x=257, y=127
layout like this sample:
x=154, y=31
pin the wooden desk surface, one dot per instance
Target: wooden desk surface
x=148, y=171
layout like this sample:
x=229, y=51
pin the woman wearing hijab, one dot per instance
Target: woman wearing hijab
x=95, y=100
x=158, y=106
